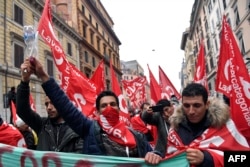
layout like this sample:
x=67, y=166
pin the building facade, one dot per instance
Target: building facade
x=83, y=27
x=205, y=25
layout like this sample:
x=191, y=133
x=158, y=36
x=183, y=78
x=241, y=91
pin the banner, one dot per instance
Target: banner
x=167, y=88
x=200, y=75
x=155, y=89
x=233, y=80
x=80, y=90
x=135, y=90
x=21, y=157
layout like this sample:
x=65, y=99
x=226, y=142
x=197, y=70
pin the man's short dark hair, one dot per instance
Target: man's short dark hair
x=195, y=89
x=103, y=94
x=13, y=88
x=143, y=104
x=164, y=103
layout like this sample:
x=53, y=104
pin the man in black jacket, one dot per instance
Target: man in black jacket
x=53, y=132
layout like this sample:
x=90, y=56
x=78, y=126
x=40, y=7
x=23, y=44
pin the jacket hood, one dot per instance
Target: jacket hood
x=218, y=114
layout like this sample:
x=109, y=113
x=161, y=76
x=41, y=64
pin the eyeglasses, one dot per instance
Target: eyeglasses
x=195, y=105
x=112, y=104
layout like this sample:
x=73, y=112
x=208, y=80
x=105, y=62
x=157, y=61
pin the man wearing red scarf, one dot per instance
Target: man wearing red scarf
x=106, y=135
x=203, y=129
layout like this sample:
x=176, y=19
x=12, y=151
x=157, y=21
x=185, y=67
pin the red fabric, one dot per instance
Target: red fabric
x=98, y=77
x=167, y=87
x=124, y=115
x=200, y=75
x=233, y=79
x=11, y=136
x=138, y=124
x=135, y=90
x=32, y=104
x=116, y=130
x=212, y=140
x=80, y=90
x=13, y=110
x=155, y=89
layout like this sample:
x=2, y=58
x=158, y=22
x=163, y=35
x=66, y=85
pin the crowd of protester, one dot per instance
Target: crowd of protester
x=179, y=125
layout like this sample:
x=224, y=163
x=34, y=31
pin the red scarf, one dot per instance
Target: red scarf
x=116, y=130
x=139, y=125
x=11, y=136
x=212, y=140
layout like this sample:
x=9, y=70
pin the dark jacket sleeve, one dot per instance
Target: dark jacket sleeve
x=70, y=113
x=24, y=110
x=208, y=160
x=152, y=119
x=157, y=120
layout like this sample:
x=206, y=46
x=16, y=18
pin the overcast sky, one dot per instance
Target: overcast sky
x=150, y=32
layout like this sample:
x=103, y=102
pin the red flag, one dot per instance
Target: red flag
x=135, y=90
x=124, y=115
x=233, y=79
x=13, y=110
x=167, y=87
x=32, y=104
x=98, y=77
x=200, y=73
x=78, y=88
x=155, y=89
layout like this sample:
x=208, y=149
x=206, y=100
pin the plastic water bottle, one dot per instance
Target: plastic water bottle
x=30, y=39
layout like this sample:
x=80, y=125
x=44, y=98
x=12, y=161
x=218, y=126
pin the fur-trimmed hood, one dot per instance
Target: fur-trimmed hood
x=218, y=114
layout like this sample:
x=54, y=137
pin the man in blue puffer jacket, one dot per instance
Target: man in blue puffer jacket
x=103, y=136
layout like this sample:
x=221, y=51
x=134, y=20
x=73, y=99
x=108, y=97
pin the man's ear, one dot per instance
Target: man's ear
x=208, y=103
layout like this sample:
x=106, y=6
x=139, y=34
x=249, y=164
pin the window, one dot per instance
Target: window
x=236, y=15
x=207, y=68
x=208, y=44
x=18, y=54
x=60, y=37
x=104, y=49
x=209, y=7
x=211, y=63
x=241, y=43
x=97, y=26
x=91, y=37
x=90, y=18
x=69, y=49
x=209, y=86
x=216, y=45
x=206, y=26
x=224, y=4
x=98, y=43
x=107, y=84
x=18, y=14
x=84, y=29
x=50, y=67
x=106, y=71
x=93, y=61
x=86, y=56
x=83, y=10
x=218, y=15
